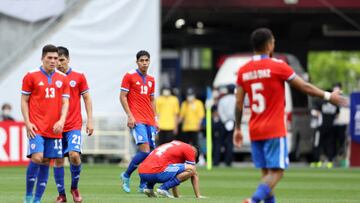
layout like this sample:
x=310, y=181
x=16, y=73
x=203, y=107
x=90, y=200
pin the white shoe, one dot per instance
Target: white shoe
x=149, y=192
x=164, y=193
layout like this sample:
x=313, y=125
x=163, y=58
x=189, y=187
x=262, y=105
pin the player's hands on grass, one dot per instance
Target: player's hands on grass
x=131, y=121
x=337, y=99
x=89, y=128
x=30, y=130
x=58, y=126
x=238, y=137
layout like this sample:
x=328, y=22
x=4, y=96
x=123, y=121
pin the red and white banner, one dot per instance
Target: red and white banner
x=13, y=144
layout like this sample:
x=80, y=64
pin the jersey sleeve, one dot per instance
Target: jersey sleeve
x=83, y=84
x=27, y=85
x=189, y=155
x=125, y=84
x=286, y=73
x=66, y=88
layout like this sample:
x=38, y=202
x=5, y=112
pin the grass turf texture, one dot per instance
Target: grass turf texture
x=100, y=183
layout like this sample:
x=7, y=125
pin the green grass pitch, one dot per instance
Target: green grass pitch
x=100, y=183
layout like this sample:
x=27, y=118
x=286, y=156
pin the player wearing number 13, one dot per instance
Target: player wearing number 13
x=44, y=105
x=137, y=100
x=263, y=80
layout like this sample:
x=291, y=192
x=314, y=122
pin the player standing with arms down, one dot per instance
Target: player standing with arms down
x=72, y=131
x=170, y=164
x=44, y=106
x=137, y=100
x=262, y=79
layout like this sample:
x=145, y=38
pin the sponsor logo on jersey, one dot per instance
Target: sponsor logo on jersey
x=33, y=146
x=41, y=83
x=58, y=83
x=72, y=83
x=137, y=83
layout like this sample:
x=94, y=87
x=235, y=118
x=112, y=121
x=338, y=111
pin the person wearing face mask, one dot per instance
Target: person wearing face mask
x=191, y=115
x=167, y=109
x=6, y=113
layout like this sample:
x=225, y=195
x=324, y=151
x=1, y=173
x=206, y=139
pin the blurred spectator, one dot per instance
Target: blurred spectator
x=191, y=115
x=6, y=113
x=327, y=113
x=340, y=125
x=226, y=113
x=167, y=109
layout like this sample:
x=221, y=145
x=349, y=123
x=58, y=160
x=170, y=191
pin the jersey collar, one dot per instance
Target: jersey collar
x=143, y=77
x=46, y=74
x=69, y=71
x=259, y=57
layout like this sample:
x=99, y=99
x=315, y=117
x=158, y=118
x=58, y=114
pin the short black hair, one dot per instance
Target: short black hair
x=63, y=51
x=260, y=37
x=142, y=53
x=49, y=48
x=197, y=153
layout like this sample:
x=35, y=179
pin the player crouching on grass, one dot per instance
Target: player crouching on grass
x=170, y=164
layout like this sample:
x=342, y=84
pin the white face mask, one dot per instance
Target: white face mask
x=6, y=112
x=166, y=92
x=190, y=98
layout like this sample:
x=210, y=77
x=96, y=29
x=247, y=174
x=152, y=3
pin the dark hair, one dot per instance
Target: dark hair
x=260, y=37
x=5, y=105
x=197, y=153
x=49, y=48
x=142, y=53
x=63, y=51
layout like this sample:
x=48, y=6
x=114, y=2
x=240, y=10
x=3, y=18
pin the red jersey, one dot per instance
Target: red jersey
x=46, y=93
x=78, y=86
x=263, y=79
x=175, y=152
x=140, y=89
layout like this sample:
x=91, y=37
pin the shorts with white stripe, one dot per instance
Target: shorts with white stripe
x=271, y=153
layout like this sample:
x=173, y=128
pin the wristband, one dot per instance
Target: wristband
x=327, y=96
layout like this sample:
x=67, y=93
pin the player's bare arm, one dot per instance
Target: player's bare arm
x=30, y=127
x=307, y=88
x=125, y=105
x=238, y=137
x=175, y=191
x=59, y=125
x=153, y=105
x=195, y=184
x=89, y=113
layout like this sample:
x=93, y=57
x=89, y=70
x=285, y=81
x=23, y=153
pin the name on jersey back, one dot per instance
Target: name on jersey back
x=256, y=74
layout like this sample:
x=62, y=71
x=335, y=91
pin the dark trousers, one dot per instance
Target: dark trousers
x=224, y=140
x=327, y=133
x=165, y=136
x=340, y=139
x=189, y=137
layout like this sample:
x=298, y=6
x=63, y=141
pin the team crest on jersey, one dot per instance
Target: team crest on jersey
x=72, y=83
x=58, y=83
x=32, y=146
x=150, y=83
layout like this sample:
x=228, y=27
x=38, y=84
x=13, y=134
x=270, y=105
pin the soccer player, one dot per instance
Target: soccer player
x=44, y=106
x=137, y=100
x=72, y=131
x=170, y=164
x=262, y=79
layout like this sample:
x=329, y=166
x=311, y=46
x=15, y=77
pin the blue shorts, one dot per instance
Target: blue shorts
x=270, y=154
x=71, y=141
x=144, y=133
x=169, y=173
x=50, y=147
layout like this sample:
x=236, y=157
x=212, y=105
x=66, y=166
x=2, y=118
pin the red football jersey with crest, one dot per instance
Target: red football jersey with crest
x=175, y=152
x=263, y=79
x=140, y=89
x=46, y=93
x=78, y=86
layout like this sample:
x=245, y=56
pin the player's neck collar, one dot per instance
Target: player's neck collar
x=260, y=56
x=69, y=71
x=46, y=73
x=141, y=74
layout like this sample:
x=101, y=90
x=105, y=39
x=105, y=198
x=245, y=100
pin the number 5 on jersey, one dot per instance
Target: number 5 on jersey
x=260, y=104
